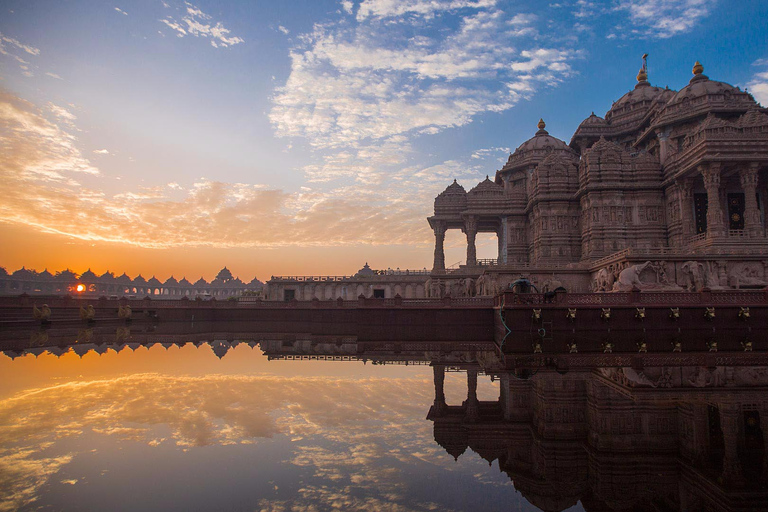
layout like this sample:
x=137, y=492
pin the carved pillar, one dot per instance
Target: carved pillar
x=472, y=410
x=663, y=145
x=686, y=208
x=439, y=228
x=715, y=224
x=470, y=228
x=439, y=378
x=748, y=178
x=502, y=235
x=729, y=421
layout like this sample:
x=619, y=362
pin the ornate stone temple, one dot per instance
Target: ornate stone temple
x=668, y=185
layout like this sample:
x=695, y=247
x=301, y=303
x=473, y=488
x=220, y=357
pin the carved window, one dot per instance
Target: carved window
x=736, y=211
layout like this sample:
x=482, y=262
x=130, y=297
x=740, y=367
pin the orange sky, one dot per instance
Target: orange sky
x=23, y=246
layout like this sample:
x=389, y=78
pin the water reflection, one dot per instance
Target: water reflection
x=229, y=418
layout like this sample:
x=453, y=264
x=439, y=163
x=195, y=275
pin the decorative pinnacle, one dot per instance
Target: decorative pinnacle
x=698, y=68
x=642, y=75
x=541, y=124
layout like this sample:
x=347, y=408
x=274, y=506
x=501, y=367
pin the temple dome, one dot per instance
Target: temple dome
x=451, y=200
x=701, y=96
x=542, y=140
x=593, y=120
x=454, y=189
x=487, y=187
x=534, y=150
x=366, y=271
x=637, y=102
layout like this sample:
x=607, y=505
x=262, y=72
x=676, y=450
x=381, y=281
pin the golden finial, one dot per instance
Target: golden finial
x=642, y=75
x=698, y=68
x=541, y=124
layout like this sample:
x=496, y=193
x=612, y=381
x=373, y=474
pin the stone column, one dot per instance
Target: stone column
x=470, y=228
x=729, y=421
x=439, y=229
x=748, y=179
x=663, y=145
x=685, y=187
x=715, y=224
x=502, y=235
x=439, y=379
x=472, y=411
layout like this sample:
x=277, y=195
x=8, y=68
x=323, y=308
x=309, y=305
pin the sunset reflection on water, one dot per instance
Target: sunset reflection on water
x=180, y=429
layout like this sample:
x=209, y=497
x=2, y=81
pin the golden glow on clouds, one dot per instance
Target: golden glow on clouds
x=43, y=173
x=374, y=423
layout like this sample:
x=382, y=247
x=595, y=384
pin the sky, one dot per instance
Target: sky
x=307, y=137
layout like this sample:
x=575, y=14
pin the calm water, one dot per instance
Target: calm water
x=218, y=426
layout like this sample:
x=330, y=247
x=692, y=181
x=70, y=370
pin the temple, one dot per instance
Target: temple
x=674, y=179
x=666, y=192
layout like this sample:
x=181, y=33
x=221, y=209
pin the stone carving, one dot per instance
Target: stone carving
x=629, y=278
x=469, y=287
x=651, y=275
x=747, y=275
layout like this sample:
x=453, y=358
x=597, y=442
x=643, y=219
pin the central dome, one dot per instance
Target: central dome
x=541, y=140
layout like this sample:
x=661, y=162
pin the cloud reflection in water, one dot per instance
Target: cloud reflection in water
x=354, y=443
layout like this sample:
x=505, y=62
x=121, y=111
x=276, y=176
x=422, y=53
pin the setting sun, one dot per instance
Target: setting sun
x=80, y=287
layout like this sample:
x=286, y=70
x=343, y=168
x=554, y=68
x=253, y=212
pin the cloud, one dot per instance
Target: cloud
x=54, y=75
x=121, y=11
x=758, y=87
x=11, y=47
x=426, y=8
x=101, y=151
x=366, y=82
x=14, y=42
x=663, y=19
x=197, y=23
x=41, y=168
x=368, y=433
x=283, y=29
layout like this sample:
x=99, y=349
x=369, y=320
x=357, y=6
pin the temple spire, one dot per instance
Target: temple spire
x=642, y=75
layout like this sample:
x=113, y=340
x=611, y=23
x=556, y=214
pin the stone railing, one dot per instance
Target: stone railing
x=72, y=303
x=375, y=274
x=601, y=262
x=671, y=299
x=310, y=278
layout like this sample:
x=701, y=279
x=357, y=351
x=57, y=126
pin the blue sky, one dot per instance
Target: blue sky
x=263, y=130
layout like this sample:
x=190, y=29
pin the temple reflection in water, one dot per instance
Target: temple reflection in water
x=666, y=437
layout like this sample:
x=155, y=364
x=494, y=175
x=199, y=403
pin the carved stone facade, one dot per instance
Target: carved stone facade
x=674, y=179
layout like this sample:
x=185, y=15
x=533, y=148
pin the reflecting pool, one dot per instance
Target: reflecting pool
x=95, y=421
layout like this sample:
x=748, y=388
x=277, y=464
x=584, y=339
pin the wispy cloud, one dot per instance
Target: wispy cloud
x=664, y=18
x=428, y=8
x=372, y=81
x=758, y=85
x=196, y=23
x=42, y=170
x=14, y=49
x=121, y=11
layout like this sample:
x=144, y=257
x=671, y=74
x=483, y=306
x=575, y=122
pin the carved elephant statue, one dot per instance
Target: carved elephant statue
x=696, y=275
x=629, y=278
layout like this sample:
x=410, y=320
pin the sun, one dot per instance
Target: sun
x=80, y=287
